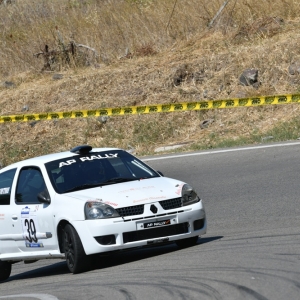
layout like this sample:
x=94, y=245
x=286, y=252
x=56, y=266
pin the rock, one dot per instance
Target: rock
x=168, y=148
x=5, y=2
x=97, y=66
x=33, y=123
x=294, y=68
x=256, y=85
x=8, y=84
x=249, y=77
x=57, y=76
x=206, y=123
x=182, y=74
x=25, y=108
x=102, y=119
x=270, y=137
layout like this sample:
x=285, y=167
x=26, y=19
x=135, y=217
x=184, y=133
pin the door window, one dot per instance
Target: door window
x=6, y=180
x=30, y=184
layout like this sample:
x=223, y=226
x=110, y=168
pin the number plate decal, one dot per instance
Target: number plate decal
x=142, y=225
x=30, y=227
x=157, y=224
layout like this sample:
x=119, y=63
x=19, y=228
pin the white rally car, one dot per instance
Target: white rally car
x=86, y=201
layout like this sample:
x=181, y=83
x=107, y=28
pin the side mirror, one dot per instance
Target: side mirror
x=160, y=173
x=44, y=197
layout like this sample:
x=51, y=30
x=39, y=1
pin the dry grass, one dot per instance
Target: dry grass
x=142, y=47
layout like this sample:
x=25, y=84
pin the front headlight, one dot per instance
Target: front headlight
x=189, y=196
x=99, y=210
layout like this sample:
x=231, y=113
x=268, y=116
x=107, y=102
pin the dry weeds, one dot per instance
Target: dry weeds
x=139, y=62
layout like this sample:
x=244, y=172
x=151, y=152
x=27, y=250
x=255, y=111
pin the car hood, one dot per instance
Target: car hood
x=132, y=192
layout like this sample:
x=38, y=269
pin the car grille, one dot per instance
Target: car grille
x=153, y=233
x=171, y=203
x=131, y=210
x=139, y=209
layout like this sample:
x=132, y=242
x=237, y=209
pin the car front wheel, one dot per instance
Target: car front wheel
x=187, y=242
x=5, y=270
x=77, y=260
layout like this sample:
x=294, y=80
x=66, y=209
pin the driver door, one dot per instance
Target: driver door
x=36, y=220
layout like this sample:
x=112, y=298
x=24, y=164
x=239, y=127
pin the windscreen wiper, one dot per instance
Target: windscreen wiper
x=82, y=187
x=113, y=180
x=118, y=180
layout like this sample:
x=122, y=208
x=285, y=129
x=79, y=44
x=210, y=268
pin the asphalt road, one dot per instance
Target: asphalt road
x=251, y=250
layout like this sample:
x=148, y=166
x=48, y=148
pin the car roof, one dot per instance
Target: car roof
x=40, y=160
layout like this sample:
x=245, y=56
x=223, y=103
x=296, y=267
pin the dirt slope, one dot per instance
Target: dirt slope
x=209, y=64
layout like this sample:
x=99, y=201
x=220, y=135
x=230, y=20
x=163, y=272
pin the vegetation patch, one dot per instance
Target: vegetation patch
x=65, y=55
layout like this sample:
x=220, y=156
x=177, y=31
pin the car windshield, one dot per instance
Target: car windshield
x=96, y=169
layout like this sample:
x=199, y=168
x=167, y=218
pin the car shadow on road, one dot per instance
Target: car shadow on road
x=132, y=255
x=109, y=260
x=53, y=269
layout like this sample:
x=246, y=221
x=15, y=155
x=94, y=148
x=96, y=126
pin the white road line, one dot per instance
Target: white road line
x=37, y=296
x=223, y=151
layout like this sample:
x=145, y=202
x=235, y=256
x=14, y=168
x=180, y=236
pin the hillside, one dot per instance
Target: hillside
x=140, y=53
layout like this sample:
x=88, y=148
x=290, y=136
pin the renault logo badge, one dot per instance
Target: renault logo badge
x=153, y=208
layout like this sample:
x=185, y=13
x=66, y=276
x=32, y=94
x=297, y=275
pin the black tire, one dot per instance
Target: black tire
x=189, y=242
x=5, y=270
x=77, y=260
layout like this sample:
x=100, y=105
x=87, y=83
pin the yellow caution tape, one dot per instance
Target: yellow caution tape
x=158, y=108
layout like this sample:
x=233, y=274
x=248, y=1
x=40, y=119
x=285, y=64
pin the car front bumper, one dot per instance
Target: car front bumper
x=105, y=235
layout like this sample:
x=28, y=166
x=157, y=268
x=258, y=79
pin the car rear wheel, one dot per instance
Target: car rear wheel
x=5, y=270
x=187, y=242
x=77, y=260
